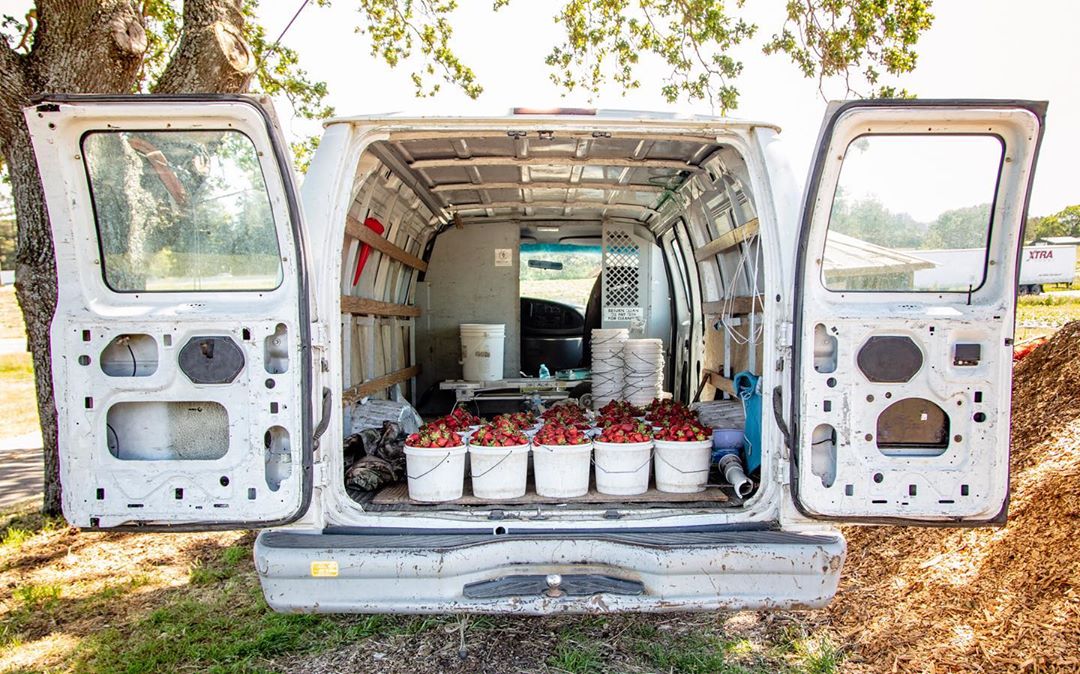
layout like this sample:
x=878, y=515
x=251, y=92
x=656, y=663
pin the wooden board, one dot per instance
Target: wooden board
x=398, y=494
x=367, y=388
x=364, y=306
x=727, y=240
x=736, y=306
x=357, y=230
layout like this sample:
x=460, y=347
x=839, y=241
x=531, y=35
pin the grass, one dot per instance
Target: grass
x=141, y=603
x=11, y=321
x=18, y=401
x=1042, y=315
x=577, y=658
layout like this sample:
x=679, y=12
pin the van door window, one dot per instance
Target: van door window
x=912, y=213
x=181, y=211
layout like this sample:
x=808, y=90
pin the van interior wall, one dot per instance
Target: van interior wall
x=720, y=218
x=463, y=284
x=377, y=284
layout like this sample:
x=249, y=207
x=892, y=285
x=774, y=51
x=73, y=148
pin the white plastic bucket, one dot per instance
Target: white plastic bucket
x=622, y=468
x=482, y=351
x=435, y=473
x=682, y=467
x=643, y=375
x=562, y=471
x=607, y=364
x=498, y=472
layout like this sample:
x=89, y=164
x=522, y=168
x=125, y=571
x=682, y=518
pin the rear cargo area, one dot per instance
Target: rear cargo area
x=547, y=235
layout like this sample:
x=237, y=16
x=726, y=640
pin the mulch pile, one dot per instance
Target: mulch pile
x=992, y=599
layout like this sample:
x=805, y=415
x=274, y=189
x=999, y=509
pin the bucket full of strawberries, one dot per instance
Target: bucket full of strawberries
x=499, y=461
x=682, y=452
x=622, y=454
x=435, y=464
x=562, y=453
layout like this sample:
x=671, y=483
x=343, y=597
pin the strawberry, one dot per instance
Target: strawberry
x=620, y=408
x=666, y=412
x=498, y=435
x=518, y=420
x=626, y=432
x=557, y=435
x=434, y=435
x=685, y=431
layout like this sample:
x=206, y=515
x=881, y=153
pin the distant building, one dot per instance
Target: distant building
x=1057, y=241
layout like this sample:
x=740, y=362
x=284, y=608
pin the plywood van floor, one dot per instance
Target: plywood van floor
x=398, y=494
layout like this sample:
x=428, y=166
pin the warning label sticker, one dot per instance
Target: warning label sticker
x=324, y=569
x=623, y=313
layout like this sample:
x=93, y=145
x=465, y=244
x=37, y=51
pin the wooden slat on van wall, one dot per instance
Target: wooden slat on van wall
x=357, y=230
x=727, y=240
x=716, y=380
x=362, y=306
x=373, y=386
x=737, y=306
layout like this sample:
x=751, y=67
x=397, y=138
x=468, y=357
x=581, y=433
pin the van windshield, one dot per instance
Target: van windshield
x=559, y=272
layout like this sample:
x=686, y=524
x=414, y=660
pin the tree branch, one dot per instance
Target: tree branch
x=213, y=54
x=86, y=46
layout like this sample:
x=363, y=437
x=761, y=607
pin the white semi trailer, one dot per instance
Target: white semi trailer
x=961, y=267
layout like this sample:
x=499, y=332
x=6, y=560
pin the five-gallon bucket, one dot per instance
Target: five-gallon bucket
x=682, y=467
x=622, y=468
x=562, y=471
x=482, y=351
x=498, y=472
x=435, y=473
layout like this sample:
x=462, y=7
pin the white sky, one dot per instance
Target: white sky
x=922, y=176
x=988, y=48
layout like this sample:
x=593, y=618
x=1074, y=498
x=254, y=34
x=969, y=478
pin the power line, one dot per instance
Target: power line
x=303, y=4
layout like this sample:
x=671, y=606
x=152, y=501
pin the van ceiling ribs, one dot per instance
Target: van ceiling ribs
x=584, y=176
x=554, y=161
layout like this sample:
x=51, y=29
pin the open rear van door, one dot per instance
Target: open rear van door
x=903, y=366
x=181, y=340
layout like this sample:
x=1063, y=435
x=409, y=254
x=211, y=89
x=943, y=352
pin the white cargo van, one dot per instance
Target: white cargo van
x=215, y=324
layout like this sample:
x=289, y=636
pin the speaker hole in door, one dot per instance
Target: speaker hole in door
x=823, y=454
x=913, y=427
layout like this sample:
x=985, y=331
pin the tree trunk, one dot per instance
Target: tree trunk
x=79, y=46
x=92, y=46
x=213, y=55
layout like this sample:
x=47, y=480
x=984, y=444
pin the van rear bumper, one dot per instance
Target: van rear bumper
x=486, y=573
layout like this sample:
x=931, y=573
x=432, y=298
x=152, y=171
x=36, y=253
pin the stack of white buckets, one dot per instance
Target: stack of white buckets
x=482, y=351
x=626, y=369
x=643, y=370
x=607, y=365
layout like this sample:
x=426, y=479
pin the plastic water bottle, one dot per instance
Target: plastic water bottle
x=544, y=372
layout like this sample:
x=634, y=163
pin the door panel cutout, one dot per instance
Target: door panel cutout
x=823, y=454
x=913, y=427
x=130, y=356
x=278, y=456
x=159, y=430
x=276, y=350
x=824, y=350
x=892, y=359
